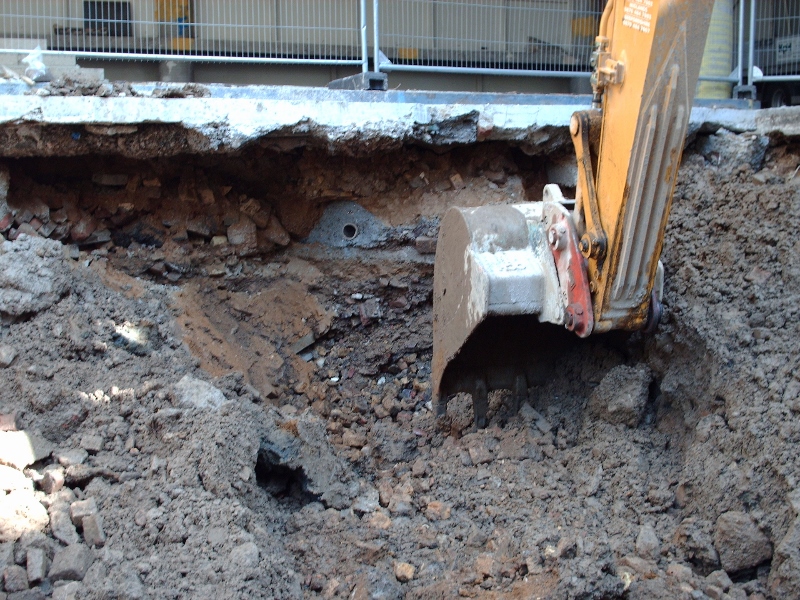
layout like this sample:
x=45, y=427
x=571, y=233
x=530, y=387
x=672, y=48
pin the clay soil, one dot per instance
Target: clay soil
x=324, y=473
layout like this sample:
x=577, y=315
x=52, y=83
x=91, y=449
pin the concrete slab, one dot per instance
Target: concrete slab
x=231, y=117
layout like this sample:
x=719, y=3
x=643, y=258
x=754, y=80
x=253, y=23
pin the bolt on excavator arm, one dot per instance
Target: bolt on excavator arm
x=505, y=275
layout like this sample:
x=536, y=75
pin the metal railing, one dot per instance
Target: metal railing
x=551, y=38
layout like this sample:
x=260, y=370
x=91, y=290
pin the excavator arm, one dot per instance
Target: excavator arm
x=502, y=273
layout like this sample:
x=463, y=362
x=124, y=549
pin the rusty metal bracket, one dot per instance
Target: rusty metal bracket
x=562, y=238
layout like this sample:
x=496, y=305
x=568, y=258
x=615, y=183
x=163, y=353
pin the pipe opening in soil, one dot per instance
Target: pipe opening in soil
x=350, y=231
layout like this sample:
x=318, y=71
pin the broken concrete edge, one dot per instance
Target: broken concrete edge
x=340, y=116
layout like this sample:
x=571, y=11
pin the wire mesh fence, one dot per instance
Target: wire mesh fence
x=545, y=37
x=554, y=36
x=777, y=38
x=317, y=31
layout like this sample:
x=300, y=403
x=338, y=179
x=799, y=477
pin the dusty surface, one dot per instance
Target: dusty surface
x=252, y=419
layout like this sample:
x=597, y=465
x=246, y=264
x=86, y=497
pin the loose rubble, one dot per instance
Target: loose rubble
x=213, y=407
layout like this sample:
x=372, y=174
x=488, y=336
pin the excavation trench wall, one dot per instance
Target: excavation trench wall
x=226, y=341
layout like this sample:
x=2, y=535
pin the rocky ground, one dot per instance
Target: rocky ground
x=215, y=383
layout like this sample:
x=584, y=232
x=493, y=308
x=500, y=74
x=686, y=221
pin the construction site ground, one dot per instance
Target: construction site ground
x=221, y=363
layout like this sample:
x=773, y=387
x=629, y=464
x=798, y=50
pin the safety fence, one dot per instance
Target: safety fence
x=751, y=41
x=552, y=37
x=267, y=31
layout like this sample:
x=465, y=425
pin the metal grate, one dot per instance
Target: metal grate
x=306, y=31
x=512, y=36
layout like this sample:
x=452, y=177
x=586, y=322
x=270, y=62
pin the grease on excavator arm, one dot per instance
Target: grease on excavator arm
x=507, y=278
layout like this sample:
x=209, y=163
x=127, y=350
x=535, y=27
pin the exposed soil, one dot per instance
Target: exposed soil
x=254, y=411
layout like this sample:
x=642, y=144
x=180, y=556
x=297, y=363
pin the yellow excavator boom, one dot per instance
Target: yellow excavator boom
x=502, y=273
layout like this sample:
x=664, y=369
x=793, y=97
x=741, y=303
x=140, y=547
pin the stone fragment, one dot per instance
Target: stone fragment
x=457, y=181
x=74, y=456
x=275, y=233
x=243, y=232
x=97, y=237
x=245, y=556
x=784, y=576
x=59, y=216
x=6, y=554
x=27, y=229
x=71, y=563
x=354, y=439
x=367, y=502
x=400, y=504
x=15, y=579
x=385, y=492
x=369, y=310
x=20, y=512
x=380, y=520
x=52, y=480
x=33, y=275
x=7, y=355
x=679, y=572
x=196, y=393
x=93, y=532
x=645, y=568
x=740, y=543
x=47, y=229
x=485, y=566
x=696, y=543
x=199, y=226
x=92, y=443
x=62, y=527
x=80, y=509
x=404, y=572
x=437, y=511
x=479, y=453
x=12, y=480
x=81, y=230
x=67, y=592
x=219, y=240
x=720, y=579
x=8, y=422
x=36, y=563
x=647, y=543
x=622, y=395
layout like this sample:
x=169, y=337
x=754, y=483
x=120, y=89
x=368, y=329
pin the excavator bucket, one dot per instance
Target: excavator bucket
x=505, y=274
x=500, y=270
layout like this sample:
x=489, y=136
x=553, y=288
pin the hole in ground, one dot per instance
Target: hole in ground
x=282, y=482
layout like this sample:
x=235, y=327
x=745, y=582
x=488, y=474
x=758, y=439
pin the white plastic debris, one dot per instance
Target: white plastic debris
x=36, y=69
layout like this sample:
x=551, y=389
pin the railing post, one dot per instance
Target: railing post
x=364, y=48
x=376, y=35
x=740, y=63
x=752, y=49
